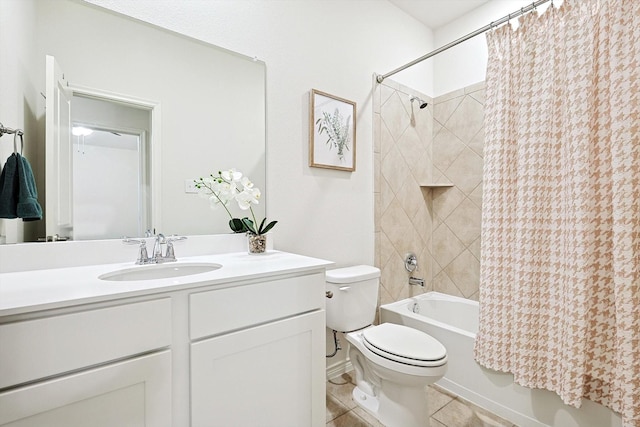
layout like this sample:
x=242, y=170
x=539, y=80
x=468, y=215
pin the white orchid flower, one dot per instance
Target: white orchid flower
x=224, y=190
x=246, y=182
x=231, y=175
x=226, y=186
x=247, y=197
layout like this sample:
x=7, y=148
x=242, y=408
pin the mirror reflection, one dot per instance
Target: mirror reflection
x=106, y=133
x=106, y=208
x=205, y=111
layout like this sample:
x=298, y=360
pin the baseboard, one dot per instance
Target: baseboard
x=338, y=369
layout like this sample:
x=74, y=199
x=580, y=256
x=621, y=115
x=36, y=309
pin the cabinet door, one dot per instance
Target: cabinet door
x=131, y=393
x=270, y=375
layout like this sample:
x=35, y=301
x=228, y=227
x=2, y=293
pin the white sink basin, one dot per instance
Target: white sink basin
x=159, y=271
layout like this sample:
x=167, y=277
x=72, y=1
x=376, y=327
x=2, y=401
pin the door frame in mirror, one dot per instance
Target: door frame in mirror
x=155, y=143
x=58, y=147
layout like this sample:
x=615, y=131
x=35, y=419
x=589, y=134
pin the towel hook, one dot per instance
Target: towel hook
x=15, y=145
x=4, y=130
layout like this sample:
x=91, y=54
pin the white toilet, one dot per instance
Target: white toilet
x=393, y=363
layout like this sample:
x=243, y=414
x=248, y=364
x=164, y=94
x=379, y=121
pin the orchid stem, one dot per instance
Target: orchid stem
x=217, y=197
x=255, y=223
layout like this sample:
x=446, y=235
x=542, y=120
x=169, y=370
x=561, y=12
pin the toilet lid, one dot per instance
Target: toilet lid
x=405, y=345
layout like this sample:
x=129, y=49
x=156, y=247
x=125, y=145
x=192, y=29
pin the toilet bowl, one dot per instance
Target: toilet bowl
x=393, y=363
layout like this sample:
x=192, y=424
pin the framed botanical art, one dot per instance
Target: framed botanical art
x=332, y=132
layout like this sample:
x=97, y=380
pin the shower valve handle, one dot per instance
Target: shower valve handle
x=410, y=262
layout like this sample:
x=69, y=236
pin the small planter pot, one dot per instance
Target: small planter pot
x=257, y=243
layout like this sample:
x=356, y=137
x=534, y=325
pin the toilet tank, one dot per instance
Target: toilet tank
x=354, y=297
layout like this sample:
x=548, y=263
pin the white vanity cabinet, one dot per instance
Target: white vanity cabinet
x=241, y=346
x=105, y=366
x=257, y=356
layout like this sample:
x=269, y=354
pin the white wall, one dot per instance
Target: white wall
x=331, y=45
x=466, y=63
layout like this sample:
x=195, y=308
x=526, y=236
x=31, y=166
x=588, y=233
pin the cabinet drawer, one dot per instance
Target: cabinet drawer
x=34, y=349
x=215, y=312
x=134, y=392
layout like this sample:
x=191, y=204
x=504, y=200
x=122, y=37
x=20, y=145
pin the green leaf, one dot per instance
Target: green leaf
x=268, y=227
x=237, y=226
x=261, y=225
x=249, y=225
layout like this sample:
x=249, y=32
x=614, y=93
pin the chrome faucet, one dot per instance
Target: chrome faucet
x=157, y=249
x=158, y=257
x=411, y=264
x=169, y=253
x=416, y=281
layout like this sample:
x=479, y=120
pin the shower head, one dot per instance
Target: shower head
x=422, y=104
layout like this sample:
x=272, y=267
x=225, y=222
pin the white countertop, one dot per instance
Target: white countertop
x=27, y=291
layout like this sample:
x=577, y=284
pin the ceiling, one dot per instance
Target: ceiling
x=436, y=13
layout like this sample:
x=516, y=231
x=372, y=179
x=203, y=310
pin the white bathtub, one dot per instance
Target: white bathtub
x=454, y=322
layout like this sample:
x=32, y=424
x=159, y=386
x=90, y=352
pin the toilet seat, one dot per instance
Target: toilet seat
x=404, y=345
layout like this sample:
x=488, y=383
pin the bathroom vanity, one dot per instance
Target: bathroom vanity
x=240, y=345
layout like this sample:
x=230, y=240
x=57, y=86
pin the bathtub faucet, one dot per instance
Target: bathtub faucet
x=416, y=281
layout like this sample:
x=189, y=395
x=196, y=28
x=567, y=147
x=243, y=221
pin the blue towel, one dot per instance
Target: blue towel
x=9, y=188
x=28, y=207
x=18, y=192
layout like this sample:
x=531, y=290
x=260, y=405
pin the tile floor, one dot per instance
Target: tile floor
x=446, y=409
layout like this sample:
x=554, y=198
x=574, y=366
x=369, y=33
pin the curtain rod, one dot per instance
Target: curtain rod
x=522, y=11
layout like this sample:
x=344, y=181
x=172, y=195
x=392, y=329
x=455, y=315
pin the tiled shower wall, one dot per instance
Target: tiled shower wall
x=439, y=144
x=458, y=139
x=402, y=154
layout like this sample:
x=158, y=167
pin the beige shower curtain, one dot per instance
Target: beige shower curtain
x=560, y=270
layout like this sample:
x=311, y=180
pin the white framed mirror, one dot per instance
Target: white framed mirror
x=211, y=104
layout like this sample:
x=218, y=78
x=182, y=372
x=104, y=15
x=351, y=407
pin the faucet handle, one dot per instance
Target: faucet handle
x=170, y=255
x=130, y=241
x=410, y=262
x=175, y=238
x=143, y=256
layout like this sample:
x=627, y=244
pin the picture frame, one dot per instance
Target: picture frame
x=332, y=132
